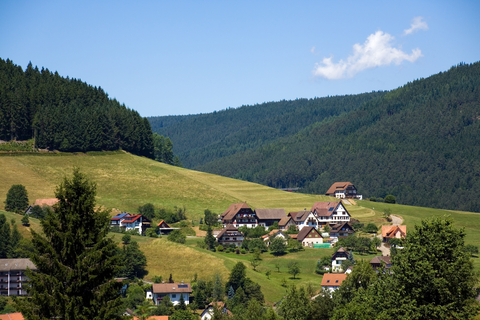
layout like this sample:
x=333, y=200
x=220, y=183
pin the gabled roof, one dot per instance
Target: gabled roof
x=299, y=216
x=272, y=214
x=390, y=231
x=135, y=217
x=233, y=209
x=45, y=202
x=229, y=227
x=338, y=186
x=272, y=233
x=325, y=209
x=338, y=227
x=219, y=305
x=284, y=221
x=171, y=288
x=333, y=279
x=305, y=232
x=340, y=252
x=379, y=259
x=164, y=223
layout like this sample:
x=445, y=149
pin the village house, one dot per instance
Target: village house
x=125, y=222
x=389, y=232
x=230, y=235
x=338, y=258
x=13, y=281
x=267, y=217
x=285, y=223
x=42, y=203
x=268, y=238
x=333, y=281
x=303, y=219
x=331, y=212
x=309, y=236
x=164, y=228
x=239, y=215
x=207, y=314
x=342, y=190
x=173, y=290
x=381, y=262
x=341, y=230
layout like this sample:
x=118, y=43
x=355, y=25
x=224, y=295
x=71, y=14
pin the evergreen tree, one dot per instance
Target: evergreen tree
x=5, y=242
x=75, y=260
x=17, y=199
x=209, y=238
x=133, y=260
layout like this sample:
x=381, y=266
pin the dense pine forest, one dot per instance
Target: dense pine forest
x=66, y=114
x=420, y=142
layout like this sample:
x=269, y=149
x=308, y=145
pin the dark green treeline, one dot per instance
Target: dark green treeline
x=66, y=114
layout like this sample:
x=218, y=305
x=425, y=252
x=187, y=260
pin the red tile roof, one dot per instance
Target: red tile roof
x=390, y=231
x=333, y=279
x=160, y=223
x=11, y=316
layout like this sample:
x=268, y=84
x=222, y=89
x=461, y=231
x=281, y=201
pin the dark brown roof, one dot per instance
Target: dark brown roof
x=271, y=214
x=16, y=264
x=171, y=288
x=230, y=227
x=338, y=227
x=300, y=215
x=305, y=232
x=233, y=209
x=378, y=260
x=338, y=186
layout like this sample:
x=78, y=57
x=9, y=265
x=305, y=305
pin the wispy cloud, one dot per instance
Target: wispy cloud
x=417, y=24
x=375, y=52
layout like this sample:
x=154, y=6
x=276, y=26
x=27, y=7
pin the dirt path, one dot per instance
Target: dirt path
x=396, y=220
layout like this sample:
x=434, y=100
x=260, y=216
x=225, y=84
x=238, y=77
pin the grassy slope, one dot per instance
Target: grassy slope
x=126, y=181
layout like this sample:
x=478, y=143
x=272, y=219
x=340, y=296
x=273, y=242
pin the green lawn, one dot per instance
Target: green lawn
x=124, y=182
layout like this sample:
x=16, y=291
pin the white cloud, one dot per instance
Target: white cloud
x=375, y=52
x=417, y=24
x=312, y=50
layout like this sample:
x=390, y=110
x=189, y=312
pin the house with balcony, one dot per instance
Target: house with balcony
x=338, y=258
x=341, y=230
x=342, y=190
x=330, y=212
x=303, y=219
x=239, y=215
x=230, y=235
x=13, y=281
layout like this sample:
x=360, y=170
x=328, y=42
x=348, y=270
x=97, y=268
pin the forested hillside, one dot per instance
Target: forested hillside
x=202, y=138
x=420, y=142
x=66, y=114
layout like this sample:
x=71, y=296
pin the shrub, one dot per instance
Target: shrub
x=390, y=199
x=370, y=228
x=220, y=248
x=243, y=251
x=177, y=236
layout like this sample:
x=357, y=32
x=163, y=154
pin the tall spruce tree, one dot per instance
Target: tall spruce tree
x=75, y=260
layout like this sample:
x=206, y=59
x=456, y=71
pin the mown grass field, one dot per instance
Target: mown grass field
x=124, y=182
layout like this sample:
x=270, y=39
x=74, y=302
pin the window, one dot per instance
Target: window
x=174, y=295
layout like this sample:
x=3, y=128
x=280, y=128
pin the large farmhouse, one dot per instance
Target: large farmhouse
x=342, y=190
x=331, y=212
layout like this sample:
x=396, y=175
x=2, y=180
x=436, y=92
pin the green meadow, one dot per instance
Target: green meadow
x=124, y=182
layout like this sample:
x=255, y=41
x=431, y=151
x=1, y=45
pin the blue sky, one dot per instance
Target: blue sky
x=189, y=57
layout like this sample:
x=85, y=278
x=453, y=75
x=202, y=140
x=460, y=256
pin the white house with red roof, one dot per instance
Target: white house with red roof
x=126, y=222
x=333, y=281
x=330, y=212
